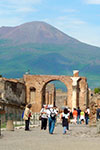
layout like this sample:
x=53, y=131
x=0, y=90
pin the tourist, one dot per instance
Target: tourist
x=98, y=113
x=88, y=110
x=52, y=113
x=86, y=116
x=44, y=117
x=27, y=115
x=78, y=115
x=82, y=117
x=65, y=120
x=75, y=115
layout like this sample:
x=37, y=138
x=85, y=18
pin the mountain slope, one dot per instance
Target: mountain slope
x=44, y=49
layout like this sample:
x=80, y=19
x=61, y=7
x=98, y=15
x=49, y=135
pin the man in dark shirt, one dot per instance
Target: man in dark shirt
x=78, y=115
x=98, y=113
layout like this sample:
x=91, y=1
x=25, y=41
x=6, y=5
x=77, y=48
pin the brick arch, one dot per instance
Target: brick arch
x=48, y=81
x=53, y=94
x=39, y=81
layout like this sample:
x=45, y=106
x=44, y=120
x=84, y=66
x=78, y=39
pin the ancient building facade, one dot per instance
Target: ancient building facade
x=61, y=98
x=12, y=96
x=93, y=105
x=49, y=95
x=77, y=94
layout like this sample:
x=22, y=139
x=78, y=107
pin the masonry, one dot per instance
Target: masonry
x=77, y=94
x=12, y=96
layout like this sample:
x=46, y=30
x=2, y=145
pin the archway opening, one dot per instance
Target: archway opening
x=54, y=93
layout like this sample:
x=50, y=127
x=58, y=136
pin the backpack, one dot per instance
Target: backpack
x=52, y=114
x=23, y=115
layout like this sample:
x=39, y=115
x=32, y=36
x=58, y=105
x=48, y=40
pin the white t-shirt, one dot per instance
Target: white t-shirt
x=65, y=115
x=44, y=115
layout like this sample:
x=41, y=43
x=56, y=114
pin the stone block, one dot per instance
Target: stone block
x=10, y=125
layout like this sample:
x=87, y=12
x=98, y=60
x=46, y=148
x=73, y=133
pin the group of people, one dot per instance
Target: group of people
x=81, y=116
x=49, y=114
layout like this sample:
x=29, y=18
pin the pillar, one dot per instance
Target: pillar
x=74, y=93
x=47, y=98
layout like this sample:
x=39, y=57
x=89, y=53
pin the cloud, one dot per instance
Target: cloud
x=69, y=10
x=10, y=22
x=96, y=2
x=21, y=2
x=70, y=20
x=26, y=10
x=19, y=6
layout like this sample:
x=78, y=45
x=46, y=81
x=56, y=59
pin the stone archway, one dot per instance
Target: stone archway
x=77, y=89
x=49, y=94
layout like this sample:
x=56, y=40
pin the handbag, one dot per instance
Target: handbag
x=40, y=117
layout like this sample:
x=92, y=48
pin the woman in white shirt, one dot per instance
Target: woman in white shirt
x=65, y=118
x=44, y=117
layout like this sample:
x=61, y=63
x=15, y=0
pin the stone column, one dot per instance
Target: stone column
x=47, y=98
x=53, y=98
x=50, y=98
x=74, y=94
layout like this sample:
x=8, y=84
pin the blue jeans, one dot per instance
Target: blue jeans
x=64, y=130
x=78, y=119
x=86, y=120
x=51, y=125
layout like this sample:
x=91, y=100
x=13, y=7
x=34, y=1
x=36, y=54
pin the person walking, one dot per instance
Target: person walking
x=27, y=115
x=98, y=113
x=86, y=116
x=78, y=115
x=75, y=115
x=82, y=117
x=52, y=113
x=44, y=117
x=65, y=118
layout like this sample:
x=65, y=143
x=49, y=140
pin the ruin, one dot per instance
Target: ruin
x=32, y=89
x=77, y=94
x=94, y=103
x=12, y=96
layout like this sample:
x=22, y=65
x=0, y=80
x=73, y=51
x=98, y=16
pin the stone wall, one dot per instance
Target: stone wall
x=61, y=98
x=94, y=102
x=14, y=92
x=12, y=95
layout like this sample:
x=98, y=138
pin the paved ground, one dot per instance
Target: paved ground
x=80, y=137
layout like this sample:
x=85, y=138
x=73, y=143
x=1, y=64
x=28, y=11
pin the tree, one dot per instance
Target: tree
x=97, y=90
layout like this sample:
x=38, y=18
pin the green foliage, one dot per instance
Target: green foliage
x=96, y=90
x=54, y=59
x=0, y=76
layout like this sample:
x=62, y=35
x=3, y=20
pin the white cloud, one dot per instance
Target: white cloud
x=69, y=10
x=70, y=20
x=21, y=2
x=19, y=6
x=92, y=2
x=26, y=10
x=10, y=22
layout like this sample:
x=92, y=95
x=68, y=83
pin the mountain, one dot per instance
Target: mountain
x=35, y=32
x=44, y=49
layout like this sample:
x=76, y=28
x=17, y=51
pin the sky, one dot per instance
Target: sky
x=79, y=19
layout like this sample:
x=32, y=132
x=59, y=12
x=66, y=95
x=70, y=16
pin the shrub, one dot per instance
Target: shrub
x=97, y=90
